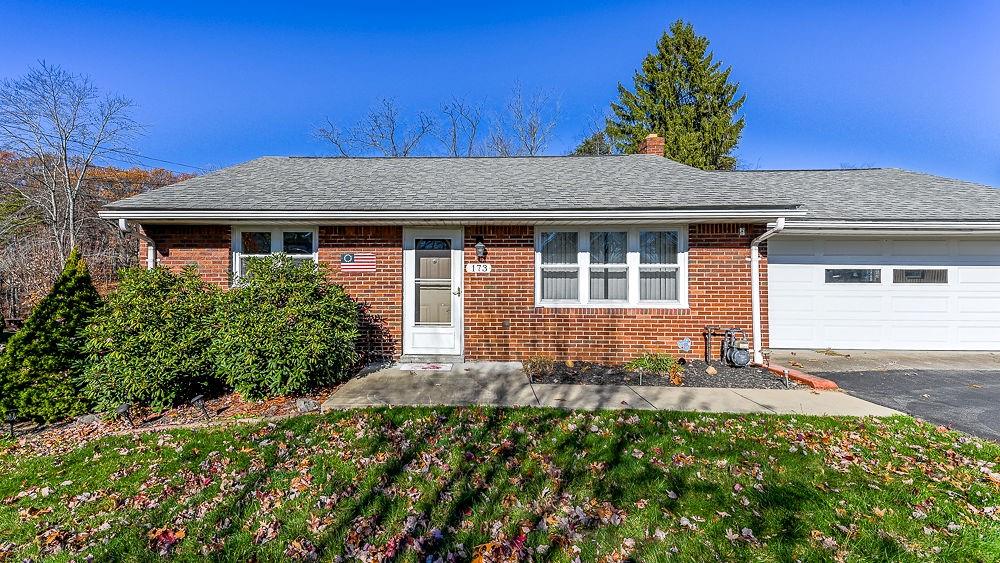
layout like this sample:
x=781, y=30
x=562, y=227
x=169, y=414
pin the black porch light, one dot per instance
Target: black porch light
x=480, y=248
x=198, y=402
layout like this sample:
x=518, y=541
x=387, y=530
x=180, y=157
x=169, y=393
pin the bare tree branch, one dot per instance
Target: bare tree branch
x=336, y=137
x=382, y=131
x=460, y=132
x=526, y=126
x=55, y=122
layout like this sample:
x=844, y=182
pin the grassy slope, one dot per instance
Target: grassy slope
x=614, y=485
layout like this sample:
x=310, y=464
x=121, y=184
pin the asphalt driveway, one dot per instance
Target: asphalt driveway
x=956, y=389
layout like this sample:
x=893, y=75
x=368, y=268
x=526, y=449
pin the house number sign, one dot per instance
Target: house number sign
x=478, y=268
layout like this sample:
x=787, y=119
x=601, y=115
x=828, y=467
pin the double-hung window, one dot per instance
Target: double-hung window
x=559, y=264
x=300, y=243
x=608, y=266
x=659, y=267
x=611, y=266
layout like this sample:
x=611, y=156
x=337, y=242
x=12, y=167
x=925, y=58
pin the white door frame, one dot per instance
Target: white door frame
x=433, y=340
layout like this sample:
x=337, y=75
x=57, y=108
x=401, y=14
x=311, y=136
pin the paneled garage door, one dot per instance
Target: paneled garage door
x=902, y=294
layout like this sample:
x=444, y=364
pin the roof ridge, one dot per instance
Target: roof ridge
x=814, y=169
x=442, y=157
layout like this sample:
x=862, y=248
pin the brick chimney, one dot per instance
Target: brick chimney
x=652, y=144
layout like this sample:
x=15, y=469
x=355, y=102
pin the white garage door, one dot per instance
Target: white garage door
x=893, y=294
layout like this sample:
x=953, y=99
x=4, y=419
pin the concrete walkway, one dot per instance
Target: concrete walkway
x=504, y=384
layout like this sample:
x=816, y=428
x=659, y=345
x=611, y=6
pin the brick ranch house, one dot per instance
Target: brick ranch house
x=601, y=258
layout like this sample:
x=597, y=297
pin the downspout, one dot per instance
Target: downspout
x=150, y=244
x=758, y=355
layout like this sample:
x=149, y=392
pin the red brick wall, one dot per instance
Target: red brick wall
x=501, y=321
x=206, y=246
x=380, y=293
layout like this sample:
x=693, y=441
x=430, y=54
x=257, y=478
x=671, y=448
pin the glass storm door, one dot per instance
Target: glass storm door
x=432, y=291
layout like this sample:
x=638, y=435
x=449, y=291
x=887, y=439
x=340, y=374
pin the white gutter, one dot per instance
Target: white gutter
x=758, y=355
x=891, y=227
x=517, y=216
x=150, y=244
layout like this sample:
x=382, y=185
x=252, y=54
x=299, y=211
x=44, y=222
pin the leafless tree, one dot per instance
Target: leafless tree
x=460, y=130
x=853, y=166
x=525, y=127
x=595, y=141
x=747, y=165
x=382, y=131
x=57, y=124
x=336, y=136
x=28, y=259
x=500, y=143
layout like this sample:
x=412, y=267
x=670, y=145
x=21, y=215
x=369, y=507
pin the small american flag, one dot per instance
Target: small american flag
x=357, y=262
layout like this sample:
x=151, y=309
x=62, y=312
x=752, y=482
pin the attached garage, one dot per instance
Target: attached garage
x=906, y=293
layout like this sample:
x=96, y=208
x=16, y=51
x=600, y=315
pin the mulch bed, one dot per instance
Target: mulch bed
x=64, y=436
x=695, y=375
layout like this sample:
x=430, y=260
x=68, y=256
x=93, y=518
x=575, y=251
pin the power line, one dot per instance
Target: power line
x=90, y=178
x=117, y=151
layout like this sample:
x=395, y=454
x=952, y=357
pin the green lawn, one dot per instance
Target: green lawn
x=506, y=484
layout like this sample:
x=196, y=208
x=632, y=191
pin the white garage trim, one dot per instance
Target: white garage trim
x=894, y=310
x=893, y=228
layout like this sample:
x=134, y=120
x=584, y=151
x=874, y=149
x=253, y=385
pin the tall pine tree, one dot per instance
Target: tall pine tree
x=684, y=95
x=41, y=367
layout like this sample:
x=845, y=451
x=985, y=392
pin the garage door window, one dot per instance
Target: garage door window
x=920, y=276
x=853, y=275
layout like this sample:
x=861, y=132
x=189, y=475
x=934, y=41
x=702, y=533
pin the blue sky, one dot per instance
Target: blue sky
x=908, y=84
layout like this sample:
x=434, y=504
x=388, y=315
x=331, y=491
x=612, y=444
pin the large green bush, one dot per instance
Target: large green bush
x=41, y=367
x=149, y=344
x=284, y=329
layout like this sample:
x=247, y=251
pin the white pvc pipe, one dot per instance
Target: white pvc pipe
x=758, y=355
x=150, y=244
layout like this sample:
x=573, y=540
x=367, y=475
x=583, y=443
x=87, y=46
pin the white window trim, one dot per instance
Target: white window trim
x=277, y=242
x=631, y=263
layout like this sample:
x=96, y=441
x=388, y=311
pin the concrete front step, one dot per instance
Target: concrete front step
x=430, y=359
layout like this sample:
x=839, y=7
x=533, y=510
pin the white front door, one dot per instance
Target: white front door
x=432, y=291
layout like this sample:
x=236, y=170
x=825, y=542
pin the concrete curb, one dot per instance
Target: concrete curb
x=802, y=377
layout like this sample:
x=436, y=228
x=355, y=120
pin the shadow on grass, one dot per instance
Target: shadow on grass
x=491, y=476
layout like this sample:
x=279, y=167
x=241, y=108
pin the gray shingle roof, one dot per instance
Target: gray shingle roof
x=877, y=194
x=432, y=184
x=566, y=183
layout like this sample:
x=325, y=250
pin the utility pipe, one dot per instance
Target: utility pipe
x=150, y=244
x=758, y=355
